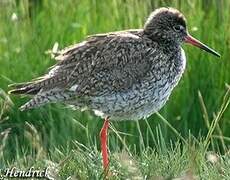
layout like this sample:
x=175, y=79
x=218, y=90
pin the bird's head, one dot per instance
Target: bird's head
x=169, y=25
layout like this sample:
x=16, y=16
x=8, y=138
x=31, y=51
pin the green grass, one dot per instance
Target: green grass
x=160, y=145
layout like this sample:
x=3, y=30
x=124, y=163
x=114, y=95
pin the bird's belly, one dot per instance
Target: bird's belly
x=139, y=102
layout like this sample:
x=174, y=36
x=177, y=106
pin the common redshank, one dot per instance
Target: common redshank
x=126, y=75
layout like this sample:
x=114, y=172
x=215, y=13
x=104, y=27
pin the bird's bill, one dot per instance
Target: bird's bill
x=191, y=40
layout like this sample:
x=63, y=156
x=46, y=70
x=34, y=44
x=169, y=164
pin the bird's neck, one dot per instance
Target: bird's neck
x=169, y=47
x=166, y=44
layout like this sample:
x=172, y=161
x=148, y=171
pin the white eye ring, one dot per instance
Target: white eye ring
x=178, y=28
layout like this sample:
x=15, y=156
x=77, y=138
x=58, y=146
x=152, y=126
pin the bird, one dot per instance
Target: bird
x=122, y=75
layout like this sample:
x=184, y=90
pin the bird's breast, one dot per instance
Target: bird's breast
x=183, y=60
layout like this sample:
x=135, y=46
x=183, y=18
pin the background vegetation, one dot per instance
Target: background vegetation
x=67, y=140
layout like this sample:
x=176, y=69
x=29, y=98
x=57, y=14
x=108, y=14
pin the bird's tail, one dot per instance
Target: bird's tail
x=27, y=88
x=43, y=98
x=40, y=94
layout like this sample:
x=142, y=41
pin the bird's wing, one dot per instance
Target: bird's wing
x=100, y=65
x=104, y=64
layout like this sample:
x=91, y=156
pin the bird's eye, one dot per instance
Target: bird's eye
x=178, y=28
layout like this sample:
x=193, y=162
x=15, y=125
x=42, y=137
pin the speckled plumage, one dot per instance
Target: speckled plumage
x=122, y=75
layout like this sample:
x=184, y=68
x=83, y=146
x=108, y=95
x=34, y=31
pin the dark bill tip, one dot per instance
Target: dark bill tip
x=191, y=40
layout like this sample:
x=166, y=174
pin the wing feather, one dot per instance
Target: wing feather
x=105, y=64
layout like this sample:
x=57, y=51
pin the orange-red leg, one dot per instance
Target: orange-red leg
x=104, y=149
